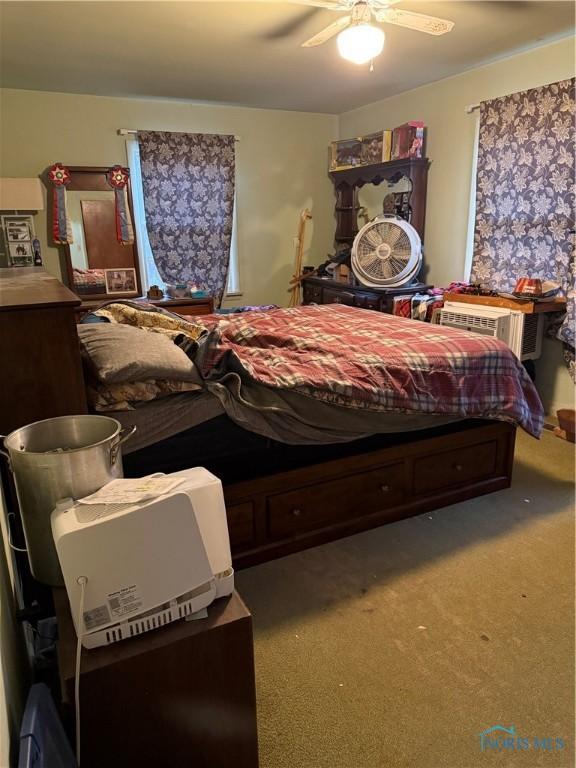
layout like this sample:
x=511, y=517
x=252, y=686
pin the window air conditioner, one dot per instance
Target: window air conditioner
x=521, y=331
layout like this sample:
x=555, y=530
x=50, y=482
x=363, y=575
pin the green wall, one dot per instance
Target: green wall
x=281, y=167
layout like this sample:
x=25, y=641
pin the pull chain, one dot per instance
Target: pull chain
x=371, y=65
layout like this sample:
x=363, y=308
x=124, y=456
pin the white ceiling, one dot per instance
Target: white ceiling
x=249, y=52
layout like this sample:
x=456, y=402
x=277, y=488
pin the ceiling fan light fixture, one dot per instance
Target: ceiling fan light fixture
x=360, y=43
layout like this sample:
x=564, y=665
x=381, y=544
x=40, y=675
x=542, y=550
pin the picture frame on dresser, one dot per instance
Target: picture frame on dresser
x=18, y=236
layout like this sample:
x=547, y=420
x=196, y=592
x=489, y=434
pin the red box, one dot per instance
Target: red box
x=408, y=140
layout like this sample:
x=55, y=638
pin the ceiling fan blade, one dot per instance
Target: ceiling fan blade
x=382, y=5
x=331, y=5
x=418, y=21
x=328, y=32
x=292, y=26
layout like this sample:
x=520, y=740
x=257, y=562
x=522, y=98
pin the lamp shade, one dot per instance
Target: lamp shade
x=21, y=195
x=360, y=43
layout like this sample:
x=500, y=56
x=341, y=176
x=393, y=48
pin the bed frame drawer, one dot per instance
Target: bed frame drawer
x=452, y=468
x=241, y=526
x=340, y=499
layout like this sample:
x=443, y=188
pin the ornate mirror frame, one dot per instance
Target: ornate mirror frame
x=348, y=181
x=94, y=179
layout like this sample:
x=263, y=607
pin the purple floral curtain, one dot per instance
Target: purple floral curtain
x=188, y=182
x=526, y=192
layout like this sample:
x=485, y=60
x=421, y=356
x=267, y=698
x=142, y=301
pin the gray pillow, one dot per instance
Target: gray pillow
x=119, y=353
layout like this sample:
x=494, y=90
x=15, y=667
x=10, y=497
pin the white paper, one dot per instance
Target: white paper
x=125, y=491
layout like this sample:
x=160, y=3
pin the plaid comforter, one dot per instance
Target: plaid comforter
x=363, y=359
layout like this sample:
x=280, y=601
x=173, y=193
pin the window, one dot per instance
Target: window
x=148, y=268
x=472, y=206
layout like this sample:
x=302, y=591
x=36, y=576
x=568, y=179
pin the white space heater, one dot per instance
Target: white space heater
x=145, y=564
x=521, y=331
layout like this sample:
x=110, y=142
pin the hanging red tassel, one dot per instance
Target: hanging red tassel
x=59, y=176
x=117, y=178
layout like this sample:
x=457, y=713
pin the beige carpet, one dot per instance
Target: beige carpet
x=399, y=646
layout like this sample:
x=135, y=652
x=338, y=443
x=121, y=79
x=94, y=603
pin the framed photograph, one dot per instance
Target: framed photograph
x=120, y=280
x=20, y=254
x=18, y=229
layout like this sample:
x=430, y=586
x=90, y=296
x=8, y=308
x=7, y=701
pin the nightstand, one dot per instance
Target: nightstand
x=180, y=695
x=200, y=306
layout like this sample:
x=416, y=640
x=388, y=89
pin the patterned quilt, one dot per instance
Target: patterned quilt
x=364, y=359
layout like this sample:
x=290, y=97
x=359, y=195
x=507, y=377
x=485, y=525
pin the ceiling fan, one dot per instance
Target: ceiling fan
x=359, y=40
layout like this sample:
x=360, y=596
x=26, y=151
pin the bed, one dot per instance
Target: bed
x=325, y=421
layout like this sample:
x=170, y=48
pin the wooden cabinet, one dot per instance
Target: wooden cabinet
x=319, y=290
x=39, y=349
x=347, y=182
x=182, y=695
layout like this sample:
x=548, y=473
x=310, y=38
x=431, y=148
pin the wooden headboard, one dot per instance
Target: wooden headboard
x=39, y=350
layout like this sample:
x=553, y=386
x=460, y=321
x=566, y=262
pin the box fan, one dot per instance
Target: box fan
x=386, y=253
x=521, y=331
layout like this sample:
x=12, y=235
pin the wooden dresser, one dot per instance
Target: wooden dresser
x=347, y=183
x=42, y=370
x=320, y=290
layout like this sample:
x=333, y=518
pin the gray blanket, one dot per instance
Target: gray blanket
x=299, y=420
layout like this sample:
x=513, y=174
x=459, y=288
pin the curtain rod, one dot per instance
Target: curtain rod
x=471, y=108
x=132, y=132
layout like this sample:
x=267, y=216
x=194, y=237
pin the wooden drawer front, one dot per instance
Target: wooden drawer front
x=387, y=305
x=240, y=524
x=334, y=296
x=193, y=309
x=306, y=509
x=451, y=468
x=312, y=294
x=368, y=302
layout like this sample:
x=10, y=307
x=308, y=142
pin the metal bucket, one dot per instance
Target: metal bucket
x=65, y=457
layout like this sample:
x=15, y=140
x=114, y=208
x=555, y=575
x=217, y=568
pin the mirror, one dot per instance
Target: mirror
x=375, y=199
x=98, y=265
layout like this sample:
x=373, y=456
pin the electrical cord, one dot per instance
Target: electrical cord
x=13, y=546
x=82, y=580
